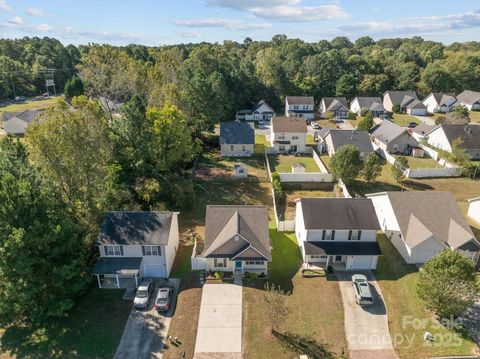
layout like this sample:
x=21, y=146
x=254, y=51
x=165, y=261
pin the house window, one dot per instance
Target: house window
x=232, y=147
x=305, y=107
x=295, y=107
x=254, y=263
x=328, y=235
x=113, y=251
x=151, y=251
x=354, y=235
x=281, y=136
x=243, y=148
x=220, y=262
x=294, y=137
x=313, y=256
x=281, y=148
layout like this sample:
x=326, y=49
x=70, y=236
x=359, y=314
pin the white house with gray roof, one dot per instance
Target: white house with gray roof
x=16, y=123
x=470, y=99
x=407, y=100
x=422, y=224
x=440, y=102
x=135, y=244
x=372, y=104
x=336, y=138
x=392, y=138
x=338, y=106
x=261, y=111
x=474, y=209
x=300, y=106
x=443, y=137
x=237, y=239
x=337, y=231
x=237, y=139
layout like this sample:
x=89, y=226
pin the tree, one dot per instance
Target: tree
x=73, y=87
x=372, y=168
x=448, y=283
x=366, y=123
x=396, y=108
x=275, y=306
x=346, y=163
x=458, y=155
x=458, y=116
x=43, y=262
x=399, y=168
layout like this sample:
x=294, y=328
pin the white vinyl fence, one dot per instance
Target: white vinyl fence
x=197, y=263
x=306, y=177
x=433, y=172
x=344, y=188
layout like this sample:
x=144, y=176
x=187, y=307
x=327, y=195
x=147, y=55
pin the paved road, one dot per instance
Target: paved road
x=145, y=331
x=366, y=328
x=219, y=333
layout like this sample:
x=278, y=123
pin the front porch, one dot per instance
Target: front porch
x=117, y=272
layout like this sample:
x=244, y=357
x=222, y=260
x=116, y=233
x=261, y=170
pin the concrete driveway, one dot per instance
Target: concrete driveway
x=145, y=331
x=366, y=328
x=219, y=333
x=426, y=120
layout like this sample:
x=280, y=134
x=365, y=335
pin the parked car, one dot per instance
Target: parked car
x=412, y=124
x=316, y=126
x=20, y=98
x=361, y=287
x=46, y=94
x=143, y=295
x=163, y=298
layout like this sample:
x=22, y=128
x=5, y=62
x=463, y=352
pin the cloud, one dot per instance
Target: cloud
x=189, y=34
x=16, y=20
x=230, y=24
x=4, y=7
x=35, y=12
x=285, y=10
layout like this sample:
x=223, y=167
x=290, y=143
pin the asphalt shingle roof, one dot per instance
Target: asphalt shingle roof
x=387, y=131
x=401, y=97
x=237, y=132
x=335, y=103
x=371, y=103
x=469, y=97
x=361, y=139
x=289, y=124
x=470, y=134
x=17, y=122
x=300, y=100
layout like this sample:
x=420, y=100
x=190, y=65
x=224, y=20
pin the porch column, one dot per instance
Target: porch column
x=136, y=281
x=326, y=263
x=118, y=282
x=99, y=282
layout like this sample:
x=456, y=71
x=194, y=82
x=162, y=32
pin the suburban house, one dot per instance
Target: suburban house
x=341, y=232
x=443, y=136
x=373, y=104
x=469, y=99
x=440, y=102
x=419, y=133
x=336, y=138
x=474, y=209
x=408, y=101
x=300, y=106
x=135, y=244
x=236, y=139
x=288, y=135
x=422, y=224
x=16, y=123
x=260, y=112
x=237, y=239
x=338, y=106
x=392, y=138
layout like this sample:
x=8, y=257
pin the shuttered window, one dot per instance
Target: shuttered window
x=151, y=250
x=113, y=250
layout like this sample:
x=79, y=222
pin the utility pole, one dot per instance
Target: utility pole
x=13, y=88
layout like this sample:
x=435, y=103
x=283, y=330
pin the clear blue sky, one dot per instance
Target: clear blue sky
x=157, y=22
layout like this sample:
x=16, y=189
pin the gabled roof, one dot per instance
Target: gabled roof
x=260, y=103
x=135, y=228
x=237, y=232
x=401, y=97
x=469, y=97
x=415, y=104
x=300, y=100
x=17, y=122
x=422, y=215
x=289, y=124
x=360, y=139
x=388, y=131
x=335, y=103
x=441, y=98
x=470, y=134
x=371, y=103
x=423, y=129
x=339, y=213
x=237, y=132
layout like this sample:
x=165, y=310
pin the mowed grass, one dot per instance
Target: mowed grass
x=475, y=116
x=283, y=163
x=422, y=162
x=92, y=329
x=288, y=209
x=403, y=119
x=255, y=164
x=260, y=144
x=327, y=123
x=314, y=306
x=398, y=283
x=28, y=105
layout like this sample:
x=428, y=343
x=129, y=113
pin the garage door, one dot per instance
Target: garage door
x=422, y=255
x=153, y=270
x=418, y=112
x=362, y=262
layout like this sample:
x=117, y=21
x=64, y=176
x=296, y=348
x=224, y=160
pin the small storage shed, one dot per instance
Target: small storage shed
x=240, y=170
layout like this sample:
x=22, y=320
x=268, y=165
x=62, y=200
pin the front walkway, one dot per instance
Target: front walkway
x=219, y=333
x=366, y=328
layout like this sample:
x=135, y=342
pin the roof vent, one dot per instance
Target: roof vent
x=236, y=238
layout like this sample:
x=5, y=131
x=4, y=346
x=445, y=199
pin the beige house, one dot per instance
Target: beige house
x=288, y=134
x=237, y=139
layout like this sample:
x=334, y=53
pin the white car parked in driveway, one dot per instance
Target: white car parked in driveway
x=144, y=292
x=363, y=294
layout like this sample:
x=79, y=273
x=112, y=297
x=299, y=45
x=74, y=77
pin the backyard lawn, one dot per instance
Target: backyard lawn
x=310, y=140
x=29, y=105
x=326, y=160
x=403, y=119
x=422, y=162
x=314, y=306
x=398, y=283
x=92, y=329
x=283, y=163
x=288, y=208
x=325, y=123
x=475, y=116
x=260, y=144
x=211, y=165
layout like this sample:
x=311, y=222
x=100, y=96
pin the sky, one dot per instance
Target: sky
x=164, y=22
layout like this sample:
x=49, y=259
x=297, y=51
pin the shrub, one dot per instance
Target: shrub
x=398, y=168
x=364, y=111
x=277, y=187
x=352, y=115
x=254, y=275
x=246, y=274
x=396, y=107
x=219, y=275
x=372, y=168
x=366, y=123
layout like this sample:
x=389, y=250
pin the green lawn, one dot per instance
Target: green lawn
x=223, y=166
x=403, y=119
x=326, y=123
x=422, y=162
x=287, y=209
x=28, y=105
x=314, y=318
x=475, y=116
x=310, y=140
x=326, y=160
x=92, y=329
x=283, y=163
x=260, y=144
x=398, y=284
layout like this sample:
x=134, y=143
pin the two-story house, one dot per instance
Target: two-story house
x=135, y=244
x=300, y=106
x=261, y=111
x=337, y=231
x=237, y=139
x=288, y=135
x=440, y=102
x=338, y=106
x=422, y=224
